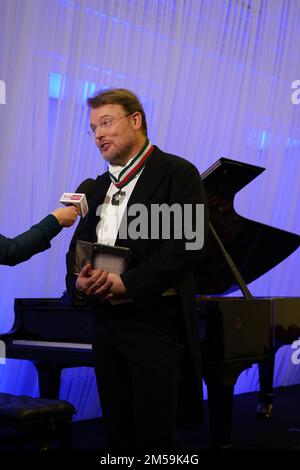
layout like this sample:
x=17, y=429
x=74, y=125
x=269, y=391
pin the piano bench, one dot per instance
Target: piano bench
x=34, y=422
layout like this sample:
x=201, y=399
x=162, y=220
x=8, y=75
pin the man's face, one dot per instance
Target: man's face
x=117, y=137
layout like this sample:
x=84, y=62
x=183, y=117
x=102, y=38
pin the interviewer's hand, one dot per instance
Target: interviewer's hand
x=66, y=216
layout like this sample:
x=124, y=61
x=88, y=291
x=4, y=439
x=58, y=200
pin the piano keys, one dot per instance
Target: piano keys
x=52, y=335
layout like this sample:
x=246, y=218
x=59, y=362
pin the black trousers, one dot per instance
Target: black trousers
x=139, y=353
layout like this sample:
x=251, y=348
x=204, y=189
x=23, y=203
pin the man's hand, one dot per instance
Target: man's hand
x=117, y=290
x=97, y=282
x=109, y=287
x=66, y=216
x=93, y=282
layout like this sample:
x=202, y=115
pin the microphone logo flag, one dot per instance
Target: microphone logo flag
x=76, y=199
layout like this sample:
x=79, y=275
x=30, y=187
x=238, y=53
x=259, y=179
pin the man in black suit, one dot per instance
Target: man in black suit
x=146, y=335
x=37, y=238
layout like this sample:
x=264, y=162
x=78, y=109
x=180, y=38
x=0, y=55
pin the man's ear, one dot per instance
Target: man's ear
x=136, y=120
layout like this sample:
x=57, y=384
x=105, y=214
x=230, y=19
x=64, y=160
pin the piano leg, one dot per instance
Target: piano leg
x=266, y=374
x=49, y=379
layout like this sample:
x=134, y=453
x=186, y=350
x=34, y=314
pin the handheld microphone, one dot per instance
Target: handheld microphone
x=76, y=199
x=80, y=197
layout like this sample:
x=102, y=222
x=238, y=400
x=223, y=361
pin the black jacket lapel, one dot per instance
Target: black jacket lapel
x=150, y=178
x=95, y=199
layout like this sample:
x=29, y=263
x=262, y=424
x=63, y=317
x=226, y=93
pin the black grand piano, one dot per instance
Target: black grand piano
x=236, y=331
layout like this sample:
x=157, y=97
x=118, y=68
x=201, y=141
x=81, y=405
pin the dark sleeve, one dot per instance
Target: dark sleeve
x=80, y=234
x=173, y=262
x=36, y=239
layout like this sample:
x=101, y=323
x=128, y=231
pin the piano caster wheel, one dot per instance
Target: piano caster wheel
x=226, y=447
x=219, y=446
x=264, y=410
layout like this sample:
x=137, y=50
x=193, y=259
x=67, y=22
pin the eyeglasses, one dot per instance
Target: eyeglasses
x=106, y=123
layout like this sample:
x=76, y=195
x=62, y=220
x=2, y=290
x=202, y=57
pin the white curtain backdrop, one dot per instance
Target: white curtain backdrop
x=215, y=78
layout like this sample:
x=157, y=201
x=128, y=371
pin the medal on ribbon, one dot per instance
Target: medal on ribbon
x=129, y=172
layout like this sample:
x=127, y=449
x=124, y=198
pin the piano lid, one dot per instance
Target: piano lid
x=254, y=247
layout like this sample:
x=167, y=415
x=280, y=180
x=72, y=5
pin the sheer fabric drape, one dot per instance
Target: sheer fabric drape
x=215, y=78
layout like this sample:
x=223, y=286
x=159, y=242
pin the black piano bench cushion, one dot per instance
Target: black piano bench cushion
x=24, y=410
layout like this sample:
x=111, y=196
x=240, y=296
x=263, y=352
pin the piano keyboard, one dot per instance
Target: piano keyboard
x=50, y=344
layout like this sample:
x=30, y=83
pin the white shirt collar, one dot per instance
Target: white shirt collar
x=115, y=170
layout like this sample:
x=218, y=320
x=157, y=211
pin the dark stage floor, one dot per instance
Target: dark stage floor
x=281, y=432
x=249, y=433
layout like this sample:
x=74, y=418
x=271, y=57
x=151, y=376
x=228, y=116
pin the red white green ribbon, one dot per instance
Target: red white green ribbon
x=133, y=168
